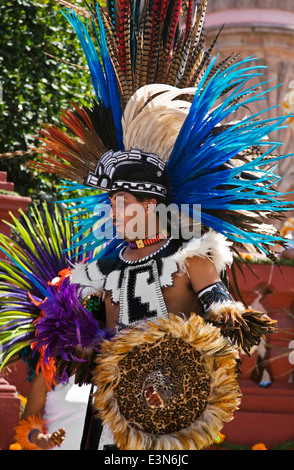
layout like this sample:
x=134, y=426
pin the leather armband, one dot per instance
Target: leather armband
x=212, y=294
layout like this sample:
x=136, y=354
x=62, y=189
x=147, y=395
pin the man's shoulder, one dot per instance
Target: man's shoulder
x=211, y=245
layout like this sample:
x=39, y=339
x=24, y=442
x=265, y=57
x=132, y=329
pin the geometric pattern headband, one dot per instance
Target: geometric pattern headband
x=104, y=175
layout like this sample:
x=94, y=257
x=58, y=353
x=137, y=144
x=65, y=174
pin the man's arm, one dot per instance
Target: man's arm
x=202, y=273
x=208, y=286
x=243, y=326
x=28, y=433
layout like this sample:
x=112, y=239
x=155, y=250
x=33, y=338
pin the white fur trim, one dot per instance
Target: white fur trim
x=91, y=283
x=211, y=245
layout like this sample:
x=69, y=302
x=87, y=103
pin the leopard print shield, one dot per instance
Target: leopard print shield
x=169, y=383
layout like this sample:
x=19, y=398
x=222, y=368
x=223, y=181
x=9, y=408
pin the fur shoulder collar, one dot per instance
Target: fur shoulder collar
x=212, y=245
x=89, y=277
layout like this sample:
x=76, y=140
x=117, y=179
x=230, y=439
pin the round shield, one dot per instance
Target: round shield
x=167, y=385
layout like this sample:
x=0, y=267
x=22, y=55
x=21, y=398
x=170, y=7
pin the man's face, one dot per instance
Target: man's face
x=130, y=216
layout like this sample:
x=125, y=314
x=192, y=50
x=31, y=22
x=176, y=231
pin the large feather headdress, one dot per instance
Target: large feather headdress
x=159, y=91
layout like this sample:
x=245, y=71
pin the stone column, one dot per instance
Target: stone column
x=9, y=413
x=9, y=202
x=264, y=29
x=9, y=402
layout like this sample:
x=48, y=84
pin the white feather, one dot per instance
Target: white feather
x=153, y=118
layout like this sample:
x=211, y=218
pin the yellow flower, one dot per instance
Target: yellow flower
x=259, y=446
x=288, y=227
x=15, y=446
x=245, y=255
x=22, y=399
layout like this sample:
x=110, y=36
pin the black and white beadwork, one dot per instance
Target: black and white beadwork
x=215, y=293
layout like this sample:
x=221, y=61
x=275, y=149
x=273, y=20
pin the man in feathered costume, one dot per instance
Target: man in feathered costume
x=161, y=132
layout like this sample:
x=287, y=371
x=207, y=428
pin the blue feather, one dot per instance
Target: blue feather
x=96, y=71
x=97, y=229
x=194, y=166
x=103, y=77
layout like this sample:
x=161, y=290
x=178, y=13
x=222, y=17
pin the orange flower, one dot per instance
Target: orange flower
x=259, y=446
x=61, y=276
x=220, y=438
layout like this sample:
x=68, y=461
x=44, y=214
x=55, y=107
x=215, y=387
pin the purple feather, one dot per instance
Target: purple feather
x=67, y=324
